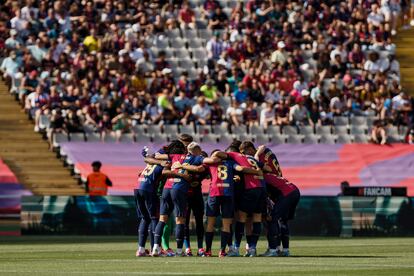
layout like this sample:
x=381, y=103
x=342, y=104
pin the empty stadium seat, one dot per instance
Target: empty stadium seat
x=205, y=34
x=273, y=130
x=323, y=130
x=278, y=139
x=220, y=129
x=141, y=137
x=195, y=43
x=306, y=130
x=93, y=137
x=59, y=138
x=188, y=129
x=159, y=138
x=242, y=129
x=204, y=130
x=262, y=139
x=225, y=139
x=311, y=139
x=327, y=139
x=189, y=34
x=209, y=138
x=127, y=138
x=88, y=128
x=295, y=139
x=177, y=43
x=360, y=138
x=340, y=129
x=77, y=137
x=255, y=129
x=139, y=129
x=110, y=138
x=359, y=121
x=341, y=121
x=344, y=138
x=359, y=129
x=151, y=129
x=289, y=130
x=199, y=53
x=169, y=129
x=182, y=54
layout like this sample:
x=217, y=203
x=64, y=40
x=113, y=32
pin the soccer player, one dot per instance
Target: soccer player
x=174, y=195
x=146, y=199
x=285, y=196
x=253, y=197
x=266, y=156
x=196, y=205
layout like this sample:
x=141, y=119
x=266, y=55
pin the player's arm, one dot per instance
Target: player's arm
x=187, y=167
x=248, y=170
x=211, y=160
x=260, y=151
x=155, y=161
x=266, y=169
x=220, y=154
x=108, y=182
x=170, y=174
x=161, y=156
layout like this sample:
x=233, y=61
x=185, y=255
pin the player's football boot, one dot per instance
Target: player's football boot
x=251, y=253
x=222, y=253
x=181, y=254
x=270, y=253
x=156, y=252
x=284, y=253
x=233, y=253
x=201, y=252
x=188, y=252
x=169, y=253
x=207, y=254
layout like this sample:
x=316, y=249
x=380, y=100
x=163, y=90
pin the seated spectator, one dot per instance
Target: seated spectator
x=73, y=122
x=201, y=112
x=186, y=17
x=375, y=17
x=314, y=115
x=267, y=115
x=282, y=113
x=183, y=107
x=378, y=133
x=235, y=114
x=37, y=103
x=218, y=20
x=166, y=105
x=409, y=137
x=209, y=91
x=121, y=124
x=57, y=125
x=152, y=113
x=250, y=116
x=28, y=85
x=298, y=114
x=217, y=114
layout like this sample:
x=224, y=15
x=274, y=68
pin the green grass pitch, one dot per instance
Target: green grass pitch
x=74, y=255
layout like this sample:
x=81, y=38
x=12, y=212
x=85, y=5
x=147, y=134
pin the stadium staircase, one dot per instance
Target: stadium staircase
x=405, y=55
x=27, y=155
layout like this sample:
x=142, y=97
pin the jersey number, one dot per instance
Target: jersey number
x=222, y=172
x=149, y=169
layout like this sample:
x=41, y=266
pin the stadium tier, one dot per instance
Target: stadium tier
x=314, y=168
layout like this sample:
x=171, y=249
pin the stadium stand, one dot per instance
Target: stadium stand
x=315, y=167
x=121, y=66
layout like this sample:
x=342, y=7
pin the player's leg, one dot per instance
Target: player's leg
x=187, y=243
x=165, y=211
x=239, y=228
x=142, y=222
x=248, y=227
x=291, y=201
x=179, y=199
x=227, y=214
x=257, y=219
x=211, y=212
x=198, y=211
x=166, y=235
x=152, y=204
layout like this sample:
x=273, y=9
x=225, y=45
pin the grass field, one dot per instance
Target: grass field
x=116, y=256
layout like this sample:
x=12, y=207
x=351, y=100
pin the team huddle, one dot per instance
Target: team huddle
x=246, y=190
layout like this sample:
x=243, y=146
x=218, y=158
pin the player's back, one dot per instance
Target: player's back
x=149, y=177
x=250, y=181
x=270, y=159
x=283, y=185
x=222, y=178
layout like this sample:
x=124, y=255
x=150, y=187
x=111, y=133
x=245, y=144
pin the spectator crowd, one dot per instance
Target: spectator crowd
x=111, y=65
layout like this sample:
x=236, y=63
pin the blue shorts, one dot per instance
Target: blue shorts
x=173, y=199
x=146, y=204
x=220, y=205
x=253, y=201
x=285, y=206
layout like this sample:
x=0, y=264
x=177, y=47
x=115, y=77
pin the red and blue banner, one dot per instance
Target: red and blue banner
x=316, y=169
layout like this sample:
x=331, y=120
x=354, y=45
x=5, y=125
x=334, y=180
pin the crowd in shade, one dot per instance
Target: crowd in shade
x=111, y=65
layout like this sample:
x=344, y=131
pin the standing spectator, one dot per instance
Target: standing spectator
x=214, y=47
x=97, y=183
